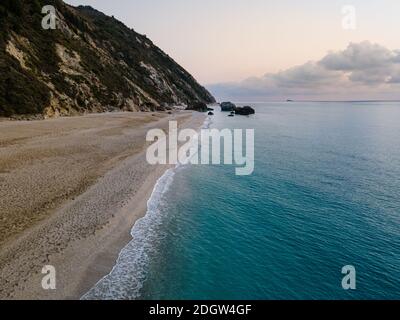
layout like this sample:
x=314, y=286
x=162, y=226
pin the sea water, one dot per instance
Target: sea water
x=325, y=194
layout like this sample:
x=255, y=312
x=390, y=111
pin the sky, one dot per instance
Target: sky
x=275, y=49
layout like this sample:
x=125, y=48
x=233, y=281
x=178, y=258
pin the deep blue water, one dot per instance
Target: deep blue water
x=325, y=193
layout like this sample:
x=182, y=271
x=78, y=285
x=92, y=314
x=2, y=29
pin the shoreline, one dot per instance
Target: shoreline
x=83, y=237
x=139, y=238
x=91, y=293
x=150, y=191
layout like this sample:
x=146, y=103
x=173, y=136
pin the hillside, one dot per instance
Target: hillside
x=90, y=63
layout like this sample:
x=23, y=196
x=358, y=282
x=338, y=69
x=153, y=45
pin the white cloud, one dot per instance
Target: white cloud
x=359, y=56
x=308, y=75
x=361, y=71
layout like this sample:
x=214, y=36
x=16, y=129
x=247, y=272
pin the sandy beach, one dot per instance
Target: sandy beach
x=70, y=191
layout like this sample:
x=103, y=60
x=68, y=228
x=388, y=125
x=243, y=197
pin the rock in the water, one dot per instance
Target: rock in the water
x=211, y=113
x=197, y=106
x=245, y=111
x=227, y=106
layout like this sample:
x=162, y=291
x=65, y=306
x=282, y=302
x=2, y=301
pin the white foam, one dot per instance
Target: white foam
x=207, y=123
x=126, y=279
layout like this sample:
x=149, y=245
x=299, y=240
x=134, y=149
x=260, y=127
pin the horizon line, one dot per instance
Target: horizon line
x=321, y=101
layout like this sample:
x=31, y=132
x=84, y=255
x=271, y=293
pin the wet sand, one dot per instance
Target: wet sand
x=70, y=191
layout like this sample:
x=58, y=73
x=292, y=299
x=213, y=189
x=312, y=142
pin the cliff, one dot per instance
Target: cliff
x=90, y=63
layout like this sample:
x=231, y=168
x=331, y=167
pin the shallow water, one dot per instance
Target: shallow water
x=325, y=193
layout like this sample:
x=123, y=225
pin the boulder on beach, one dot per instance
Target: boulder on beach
x=245, y=111
x=197, y=106
x=227, y=106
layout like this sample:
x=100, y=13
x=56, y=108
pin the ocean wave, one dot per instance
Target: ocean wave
x=126, y=279
x=207, y=123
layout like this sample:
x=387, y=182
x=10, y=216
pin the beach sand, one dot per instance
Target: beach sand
x=70, y=191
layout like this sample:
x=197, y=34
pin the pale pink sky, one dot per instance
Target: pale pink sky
x=220, y=41
x=230, y=40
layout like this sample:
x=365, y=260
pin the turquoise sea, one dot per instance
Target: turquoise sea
x=325, y=193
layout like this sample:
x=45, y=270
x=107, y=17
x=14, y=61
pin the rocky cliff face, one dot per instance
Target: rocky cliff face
x=90, y=63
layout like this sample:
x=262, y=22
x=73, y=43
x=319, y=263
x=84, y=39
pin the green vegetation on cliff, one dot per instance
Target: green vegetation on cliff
x=90, y=63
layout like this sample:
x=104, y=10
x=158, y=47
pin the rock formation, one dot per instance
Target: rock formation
x=90, y=63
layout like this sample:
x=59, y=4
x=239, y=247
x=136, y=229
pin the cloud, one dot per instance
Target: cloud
x=307, y=75
x=359, y=56
x=361, y=71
